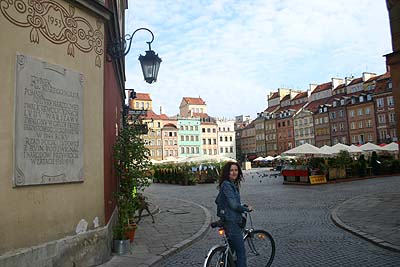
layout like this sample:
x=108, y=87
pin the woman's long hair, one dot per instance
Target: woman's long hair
x=225, y=174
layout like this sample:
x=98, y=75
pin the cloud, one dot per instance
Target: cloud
x=233, y=53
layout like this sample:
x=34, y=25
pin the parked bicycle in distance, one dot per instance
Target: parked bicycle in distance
x=260, y=248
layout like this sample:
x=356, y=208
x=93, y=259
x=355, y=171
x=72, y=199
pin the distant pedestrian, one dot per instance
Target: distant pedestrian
x=231, y=210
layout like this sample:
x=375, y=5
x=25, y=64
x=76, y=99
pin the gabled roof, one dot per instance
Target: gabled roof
x=194, y=100
x=152, y=115
x=201, y=115
x=314, y=105
x=322, y=87
x=271, y=108
x=301, y=95
x=381, y=86
x=274, y=95
x=286, y=97
x=340, y=86
x=143, y=96
x=355, y=81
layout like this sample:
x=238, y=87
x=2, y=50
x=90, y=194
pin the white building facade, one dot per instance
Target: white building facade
x=226, y=138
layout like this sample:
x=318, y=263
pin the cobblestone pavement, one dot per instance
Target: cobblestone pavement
x=177, y=224
x=298, y=217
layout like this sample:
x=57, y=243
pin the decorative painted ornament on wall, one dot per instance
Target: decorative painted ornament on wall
x=57, y=24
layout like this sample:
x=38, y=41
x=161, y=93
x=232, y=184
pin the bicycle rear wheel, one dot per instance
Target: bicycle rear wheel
x=260, y=248
x=216, y=257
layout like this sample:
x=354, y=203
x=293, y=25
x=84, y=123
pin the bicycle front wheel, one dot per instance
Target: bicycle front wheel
x=260, y=248
x=217, y=258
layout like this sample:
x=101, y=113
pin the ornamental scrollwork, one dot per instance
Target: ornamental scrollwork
x=56, y=24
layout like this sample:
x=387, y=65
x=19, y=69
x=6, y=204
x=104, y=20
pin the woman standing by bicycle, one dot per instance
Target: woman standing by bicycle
x=230, y=209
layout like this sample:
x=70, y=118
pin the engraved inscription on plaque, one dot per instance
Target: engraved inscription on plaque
x=48, y=123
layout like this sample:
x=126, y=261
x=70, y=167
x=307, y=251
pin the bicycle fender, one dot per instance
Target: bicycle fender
x=210, y=251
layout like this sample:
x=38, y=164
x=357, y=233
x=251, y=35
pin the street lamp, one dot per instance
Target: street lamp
x=150, y=62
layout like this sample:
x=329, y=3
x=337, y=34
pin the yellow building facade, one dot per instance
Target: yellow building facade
x=63, y=37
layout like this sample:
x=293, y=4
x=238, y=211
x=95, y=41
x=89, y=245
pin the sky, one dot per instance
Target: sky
x=233, y=53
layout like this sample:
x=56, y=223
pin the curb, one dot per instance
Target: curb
x=187, y=242
x=369, y=237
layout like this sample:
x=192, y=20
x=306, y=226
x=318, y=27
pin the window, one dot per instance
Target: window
x=392, y=117
x=226, y=150
x=182, y=150
x=288, y=123
x=354, y=139
x=351, y=113
x=205, y=151
x=197, y=150
x=352, y=125
x=221, y=150
x=380, y=103
x=187, y=138
x=367, y=111
x=326, y=120
x=209, y=141
x=342, y=102
x=191, y=128
x=361, y=99
x=334, y=103
x=208, y=130
x=305, y=121
x=390, y=101
x=210, y=151
x=191, y=138
x=226, y=138
x=381, y=118
x=369, y=123
x=341, y=113
x=369, y=97
x=204, y=141
x=203, y=130
x=333, y=115
x=359, y=111
x=360, y=125
x=230, y=138
x=192, y=150
x=231, y=149
x=341, y=126
x=215, y=141
x=220, y=138
x=182, y=138
x=215, y=152
x=353, y=100
x=214, y=130
x=166, y=142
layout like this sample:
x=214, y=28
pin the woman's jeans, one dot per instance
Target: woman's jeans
x=235, y=238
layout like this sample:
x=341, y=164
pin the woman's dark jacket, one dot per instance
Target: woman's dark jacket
x=228, y=202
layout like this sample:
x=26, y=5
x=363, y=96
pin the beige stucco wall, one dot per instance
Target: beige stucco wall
x=33, y=215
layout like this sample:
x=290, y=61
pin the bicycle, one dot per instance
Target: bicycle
x=260, y=248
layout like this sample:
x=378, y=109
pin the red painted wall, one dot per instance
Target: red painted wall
x=112, y=104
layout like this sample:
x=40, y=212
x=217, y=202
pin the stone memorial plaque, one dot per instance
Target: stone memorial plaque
x=48, y=123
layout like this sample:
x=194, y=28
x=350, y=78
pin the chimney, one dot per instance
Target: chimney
x=347, y=80
x=161, y=110
x=367, y=75
x=336, y=82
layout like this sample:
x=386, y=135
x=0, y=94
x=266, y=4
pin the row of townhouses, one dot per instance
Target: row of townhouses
x=348, y=111
x=192, y=132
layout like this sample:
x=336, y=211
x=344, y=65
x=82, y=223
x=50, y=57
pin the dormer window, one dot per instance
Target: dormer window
x=369, y=97
x=334, y=103
x=390, y=85
x=361, y=98
x=320, y=110
x=325, y=109
x=342, y=102
x=353, y=100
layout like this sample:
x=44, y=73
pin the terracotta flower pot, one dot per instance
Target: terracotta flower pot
x=130, y=231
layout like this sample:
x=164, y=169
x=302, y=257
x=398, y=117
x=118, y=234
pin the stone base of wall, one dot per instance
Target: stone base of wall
x=87, y=249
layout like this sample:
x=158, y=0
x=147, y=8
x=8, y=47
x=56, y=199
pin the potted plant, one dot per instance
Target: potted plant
x=132, y=165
